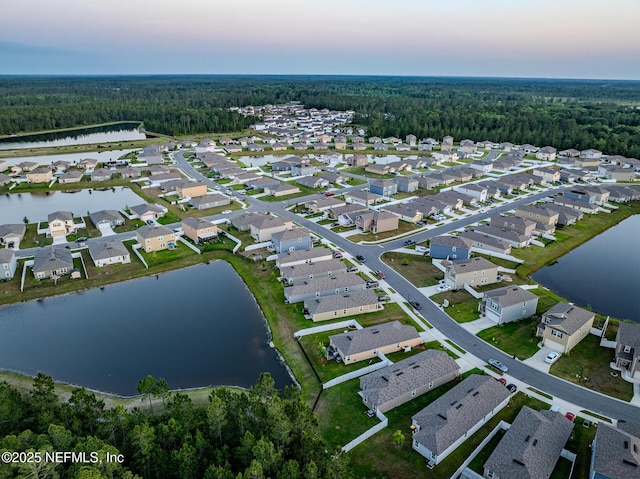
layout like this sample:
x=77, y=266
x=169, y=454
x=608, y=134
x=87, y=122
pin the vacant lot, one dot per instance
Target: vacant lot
x=417, y=269
x=516, y=338
x=462, y=306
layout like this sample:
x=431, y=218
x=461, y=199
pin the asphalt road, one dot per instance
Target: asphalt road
x=581, y=397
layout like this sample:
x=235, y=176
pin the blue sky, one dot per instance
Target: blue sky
x=517, y=38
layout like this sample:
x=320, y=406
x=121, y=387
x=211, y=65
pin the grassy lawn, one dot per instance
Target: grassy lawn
x=505, y=263
x=356, y=182
x=129, y=225
x=419, y=270
x=518, y=337
x=32, y=239
x=403, y=228
x=588, y=365
x=462, y=306
x=477, y=464
x=304, y=191
x=360, y=171
x=343, y=229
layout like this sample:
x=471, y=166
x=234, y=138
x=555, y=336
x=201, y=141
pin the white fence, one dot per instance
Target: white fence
x=135, y=248
x=367, y=434
x=189, y=245
x=258, y=246
x=357, y=373
x=472, y=291
x=485, y=441
x=326, y=327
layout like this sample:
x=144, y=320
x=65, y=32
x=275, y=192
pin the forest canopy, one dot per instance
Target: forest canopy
x=580, y=114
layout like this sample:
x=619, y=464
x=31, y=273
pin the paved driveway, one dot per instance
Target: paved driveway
x=537, y=360
x=474, y=327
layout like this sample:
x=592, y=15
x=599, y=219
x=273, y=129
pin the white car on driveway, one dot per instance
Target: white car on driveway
x=552, y=357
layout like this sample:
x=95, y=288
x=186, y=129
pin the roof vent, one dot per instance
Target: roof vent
x=442, y=417
x=527, y=439
x=475, y=393
x=626, y=444
x=519, y=462
x=629, y=463
x=458, y=406
x=535, y=441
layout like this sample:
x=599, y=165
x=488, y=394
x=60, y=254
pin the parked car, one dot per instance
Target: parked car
x=498, y=365
x=415, y=305
x=383, y=298
x=333, y=225
x=512, y=388
x=482, y=210
x=352, y=269
x=329, y=193
x=372, y=284
x=360, y=258
x=552, y=357
x=409, y=242
x=570, y=416
x=502, y=381
x=151, y=222
x=337, y=254
x=226, y=212
x=379, y=274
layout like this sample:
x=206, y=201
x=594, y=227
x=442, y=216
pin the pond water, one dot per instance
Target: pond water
x=85, y=136
x=603, y=273
x=37, y=206
x=101, y=156
x=197, y=326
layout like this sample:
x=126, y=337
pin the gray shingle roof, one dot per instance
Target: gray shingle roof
x=446, y=240
x=411, y=373
x=244, y=221
x=51, y=259
x=197, y=223
x=269, y=221
x=303, y=255
x=6, y=255
x=531, y=446
x=60, y=215
x=107, y=249
x=12, y=229
x=361, y=340
x=478, y=238
x=502, y=233
x=324, y=284
x=306, y=269
x=112, y=216
x=454, y=413
x=153, y=231
x=472, y=264
x=617, y=451
x=288, y=235
x=143, y=208
x=510, y=295
x=340, y=301
x=567, y=317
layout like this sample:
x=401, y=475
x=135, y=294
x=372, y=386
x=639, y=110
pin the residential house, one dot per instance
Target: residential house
x=591, y=154
x=342, y=305
x=340, y=142
x=611, y=172
x=367, y=343
x=507, y=304
x=88, y=164
x=566, y=216
x=313, y=182
x=546, y=153
x=512, y=237
x=473, y=190
x=209, y=201
x=244, y=222
x=320, y=205
x=441, y=427
x=571, y=153
x=445, y=155
x=569, y=176
x=377, y=221
x=101, y=174
x=335, y=179
x=263, y=227
x=429, y=182
x=406, y=184
x=252, y=147
x=61, y=223
x=302, y=169
x=449, y=247
x=484, y=243
x=516, y=223
x=411, y=140
x=294, y=258
x=147, y=212
x=356, y=161
x=362, y=197
x=24, y=167
x=40, y=175
x=199, y=230
x=548, y=175
x=8, y=263
x=110, y=218
x=53, y=261
x=299, y=273
x=104, y=253
x=472, y=272
x=291, y=240
x=578, y=205
x=350, y=210
x=12, y=233
x=467, y=147
x=404, y=211
x=484, y=166
x=379, y=169
x=531, y=447
x=398, y=383
x=282, y=189
x=447, y=143
x=615, y=451
x=383, y=187
x=563, y=326
x=155, y=237
x=156, y=170
x=324, y=286
x=589, y=194
x=130, y=172
x=261, y=183
x=4, y=179
x=545, y=218
x=628, y=349
x=190, y=189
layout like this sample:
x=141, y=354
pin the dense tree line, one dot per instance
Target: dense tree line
x=563, y=113
x=239, y=435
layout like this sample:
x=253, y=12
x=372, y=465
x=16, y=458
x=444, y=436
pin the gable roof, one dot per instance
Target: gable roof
x=154, y=231
x=51, y=259
x=12, y=229
x=411, y=373
x=447, y=240
x=105, y=215
x=324, y=284
x=60, y=215
x=303, y=255
x=567, y=317
x=197, y=223
x=6, y=255
x=617, y=450
x=453, y=414
x=107, y=249
x=477, y=263
x=288, y=235
x=336, y=302
x=510, y=295
x=361, y=340
x=143, y=208
x=531, y=446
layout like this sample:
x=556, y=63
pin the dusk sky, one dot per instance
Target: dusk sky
x=502, y=38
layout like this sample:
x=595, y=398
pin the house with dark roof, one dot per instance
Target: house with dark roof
x=366, y=343
x=109, y=218
x=298, y=273
x=212, y=200
x=293, y=258
x=628, y=349
x=104, y=253
x=398, y=383
x=531, y=447
x=324, y=286
x=155, y=237
x=262, y=227
x=404, y=211
x=473, y=272
x=341, y=305
x=244, y=222
x=52, y=261
x=146, y=211
x=319, y=205
x=376, y=221
x=8, y=263
x=615, y=452
x=563, y=326
x=406, y=184
x=449, y=247
x=291, y=240
x=383, y=187
x=507, y=304
x=12, y=233
x=362, y=197
x=483, y=242
x=199, y=230
x=441, y=427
